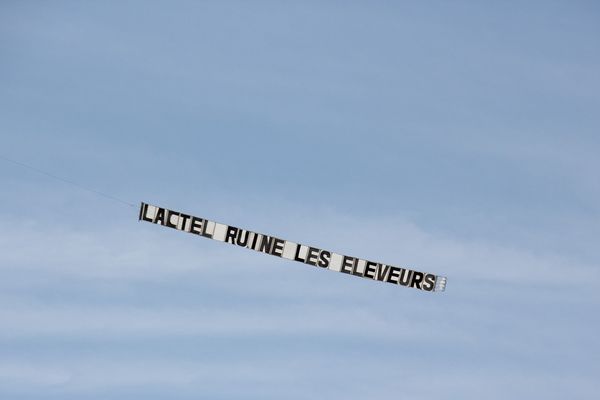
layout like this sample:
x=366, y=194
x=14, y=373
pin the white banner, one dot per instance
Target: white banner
x=292, y=251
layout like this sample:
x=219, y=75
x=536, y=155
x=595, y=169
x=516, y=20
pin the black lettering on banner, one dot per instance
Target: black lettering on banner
x=204, y=229
x=160, y=216
x=311, y=256
x=405, y=275
x=242, y=238
x=231, y=234
x=347, y=263
x=254, y=239
x=142, y=210
x=266, y=244
x=196, y=225
x=428, y=283
x=183, y=218
x=324, y=258
x=416, y=280
x=304, y=254
x=145, y=214
x=355, y=267
x=297, y=254
x=394, y=274
x=277, y=249
x=168, y=219
x=382, y=272
x=370, y=268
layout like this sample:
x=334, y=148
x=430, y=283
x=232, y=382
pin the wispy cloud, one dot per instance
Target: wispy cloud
x=63, y=283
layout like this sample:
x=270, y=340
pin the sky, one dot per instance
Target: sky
x=459, y=138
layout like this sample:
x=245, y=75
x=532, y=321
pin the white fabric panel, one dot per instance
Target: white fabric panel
x=210, y=228
x=219, y=232
x=151, y=211
x=360, y=268
x=289, y=250
x=336, y=262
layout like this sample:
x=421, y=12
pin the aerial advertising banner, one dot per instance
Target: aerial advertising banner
x=275, y=246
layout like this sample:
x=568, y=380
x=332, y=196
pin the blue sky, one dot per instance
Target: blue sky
x=459, y=138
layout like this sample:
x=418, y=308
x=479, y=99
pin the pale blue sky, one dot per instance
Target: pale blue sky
x=459, y=138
